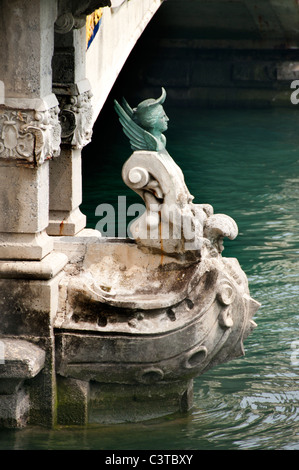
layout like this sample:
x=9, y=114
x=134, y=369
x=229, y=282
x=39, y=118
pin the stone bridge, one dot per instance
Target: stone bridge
x=58, y=62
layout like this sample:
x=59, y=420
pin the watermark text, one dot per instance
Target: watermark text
x=295, y=94
x=160, y=221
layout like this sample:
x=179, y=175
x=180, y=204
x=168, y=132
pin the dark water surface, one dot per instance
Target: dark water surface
x=245, y=164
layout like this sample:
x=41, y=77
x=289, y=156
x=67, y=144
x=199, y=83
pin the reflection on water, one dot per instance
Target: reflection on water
x=244, y=163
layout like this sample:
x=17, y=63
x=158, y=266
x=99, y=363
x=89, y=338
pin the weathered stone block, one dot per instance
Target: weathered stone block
x=45, y=269
x=66, y=223
x=14, y=409
x=25, y=246
x=118, y=403
x=29, y=74
x=24, y=198
x=22, y=360
x=72, y=401
x=28, y=306
x=66, y=180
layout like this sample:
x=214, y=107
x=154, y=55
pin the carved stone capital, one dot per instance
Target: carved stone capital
x=29, y=136
x=72, y=13
x=76, y=119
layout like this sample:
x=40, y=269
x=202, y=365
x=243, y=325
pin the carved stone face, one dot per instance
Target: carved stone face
x=161, y=124
x=152, y=118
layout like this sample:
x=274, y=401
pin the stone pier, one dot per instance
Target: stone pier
x=46, y=118
x=30, y=138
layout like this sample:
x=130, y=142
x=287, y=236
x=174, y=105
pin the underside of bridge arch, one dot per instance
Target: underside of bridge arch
x=216, y=53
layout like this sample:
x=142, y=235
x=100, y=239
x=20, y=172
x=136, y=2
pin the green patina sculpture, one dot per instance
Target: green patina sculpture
x=145, y=124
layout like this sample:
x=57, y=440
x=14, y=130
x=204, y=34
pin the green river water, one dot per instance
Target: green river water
x=245, y=164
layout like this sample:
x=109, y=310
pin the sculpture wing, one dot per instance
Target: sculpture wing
x=127, y=108
x=139, y=138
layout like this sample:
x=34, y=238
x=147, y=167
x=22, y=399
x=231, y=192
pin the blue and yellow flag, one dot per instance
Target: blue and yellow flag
x=93, y=22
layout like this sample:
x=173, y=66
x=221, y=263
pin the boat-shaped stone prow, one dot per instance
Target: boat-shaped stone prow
x=128, y=339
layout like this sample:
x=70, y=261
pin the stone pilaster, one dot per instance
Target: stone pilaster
x=29, y=127
x=66, y=172
x=74, y=95
x=30, y=270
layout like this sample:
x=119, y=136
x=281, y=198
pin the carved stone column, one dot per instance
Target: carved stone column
x=30, y=269
x=29, y=128
x=73, y=92
x=65, y=172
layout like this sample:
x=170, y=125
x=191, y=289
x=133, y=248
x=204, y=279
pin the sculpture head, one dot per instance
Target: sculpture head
x=151, y=116
x=145, y=124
